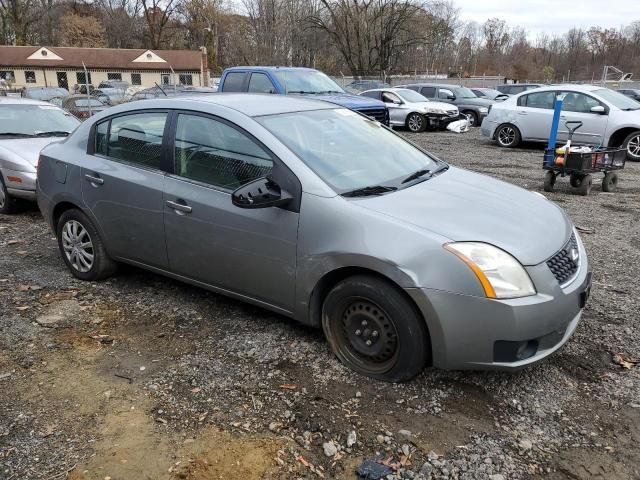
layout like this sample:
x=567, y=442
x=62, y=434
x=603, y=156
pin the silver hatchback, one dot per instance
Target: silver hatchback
x=324, y=215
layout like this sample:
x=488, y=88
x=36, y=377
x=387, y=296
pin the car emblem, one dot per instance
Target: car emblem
x=574, y=255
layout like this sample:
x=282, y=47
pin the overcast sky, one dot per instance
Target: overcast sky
x=552, y=16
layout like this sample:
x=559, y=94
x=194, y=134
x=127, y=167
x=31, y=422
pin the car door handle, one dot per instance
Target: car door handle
x=94, y=180
x=180, y=208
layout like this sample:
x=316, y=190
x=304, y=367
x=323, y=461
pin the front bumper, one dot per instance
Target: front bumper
x=20, y=184
x=441, y=121
x=469, y=332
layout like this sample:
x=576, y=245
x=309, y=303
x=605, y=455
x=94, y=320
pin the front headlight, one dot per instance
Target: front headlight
x=483, y=110
x=500, y=275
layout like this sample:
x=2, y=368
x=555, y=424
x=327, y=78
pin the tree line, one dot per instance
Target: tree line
x=349, y=37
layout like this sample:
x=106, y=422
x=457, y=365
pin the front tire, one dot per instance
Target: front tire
x=632, y=145
x=473, y=118
x=416, y=123
x=373, y=329
x=8, y=204
x=508, y=136
x=81, y=247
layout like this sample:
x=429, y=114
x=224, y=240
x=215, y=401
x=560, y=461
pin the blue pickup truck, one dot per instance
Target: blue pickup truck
x=299, y=81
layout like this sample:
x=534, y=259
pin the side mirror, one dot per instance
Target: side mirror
x=598, y=109
x=451, y=97
x=260, y=193
x=397, y=102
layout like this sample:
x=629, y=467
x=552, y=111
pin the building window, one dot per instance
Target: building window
x=29, y=76
x=114, y=76
x=165, y=79
x=8, y=76
x=136, y=79
x=80, y=78
x=186, y=79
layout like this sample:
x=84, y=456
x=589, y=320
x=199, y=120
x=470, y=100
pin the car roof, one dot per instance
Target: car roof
x=270, y=68
x=566, y=86
x=444, y=85
x=251, y=104
x=386, y=89
x=21, y=101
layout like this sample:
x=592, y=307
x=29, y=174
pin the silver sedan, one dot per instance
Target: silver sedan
x=26, y=127
x=407, y=108
x=324, y=215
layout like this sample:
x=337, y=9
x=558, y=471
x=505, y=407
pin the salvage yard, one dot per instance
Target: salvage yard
x=142, y=377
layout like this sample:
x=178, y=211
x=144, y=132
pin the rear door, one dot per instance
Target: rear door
x=247, y=251
x=235, y=82
x=535, y=115
x=429, y=92
x=122, y=184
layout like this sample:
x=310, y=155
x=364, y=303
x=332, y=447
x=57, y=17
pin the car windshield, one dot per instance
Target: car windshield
x=347, y=150
x=463, y=92
x=306, y=81
x=35, y=119
x=46, y=94
x=84, y=102
x=492, y=93
x=410, y=95
x=617, y=99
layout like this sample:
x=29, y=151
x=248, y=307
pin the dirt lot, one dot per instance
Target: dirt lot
x=141, y=377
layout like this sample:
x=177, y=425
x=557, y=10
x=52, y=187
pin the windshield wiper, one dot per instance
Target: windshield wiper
x=16, y=134
x=53, y=133
x=416, y=175
x=370, y=190
x=299, y=91
x=630, y=109
x=323, y=92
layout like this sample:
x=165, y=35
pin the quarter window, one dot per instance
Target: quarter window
x=137, y=139
x=217, y=154
x=102, y=130
x=260, y=83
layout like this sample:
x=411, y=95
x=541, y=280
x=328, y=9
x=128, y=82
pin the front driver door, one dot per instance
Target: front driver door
x=251, y=252
x=122, y=184
x=397, y=113
x=576, y=107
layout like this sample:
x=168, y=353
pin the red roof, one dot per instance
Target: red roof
x=103, y=58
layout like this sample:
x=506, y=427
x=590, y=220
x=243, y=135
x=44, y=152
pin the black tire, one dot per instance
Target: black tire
x=632, y=145
x=102, y=266
x=8, y=204
x=610, y=182
x=473, y=118
x=363, y=309
x=508, y=136
x=416, y=123
x=574, y=180
x=585, y=185
x=549, y=181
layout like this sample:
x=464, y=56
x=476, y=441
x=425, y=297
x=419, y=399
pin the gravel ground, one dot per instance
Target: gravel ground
x=141, y=377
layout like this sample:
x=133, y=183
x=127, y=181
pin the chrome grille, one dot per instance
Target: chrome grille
x=565, y=263
x=375, y=113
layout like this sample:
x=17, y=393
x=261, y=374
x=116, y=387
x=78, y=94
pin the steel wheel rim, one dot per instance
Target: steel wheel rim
x=415, y=123
x=506, y=135
x=633, y=147
x=77, y=246
x=366, y=335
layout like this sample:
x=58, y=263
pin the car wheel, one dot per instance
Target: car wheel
x=632, y=145
x=549, y=181
x=82, y=248
x=585, y=185
x=473, y=118
x=574, y=180
x=508, y=136
x=610, y=182
x=373, y=329
x=416, y=123
x=8, y=204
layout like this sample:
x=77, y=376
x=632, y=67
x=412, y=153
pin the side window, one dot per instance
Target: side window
x=137, y=138
x=260, y=83
x=234, y=82
x=579, y=102
x=429, y=92
x=538, y=100
x=373, y=94
x=102, y=129
x=445, y=93
x=388, y=97
x=215, y=153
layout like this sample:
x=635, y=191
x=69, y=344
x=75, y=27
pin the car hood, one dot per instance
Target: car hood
x=466, y=206
x=480, y=102
x=354, y=102
x=430, y=104
x=27, y=149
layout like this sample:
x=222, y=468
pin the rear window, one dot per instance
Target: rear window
x=234, y=82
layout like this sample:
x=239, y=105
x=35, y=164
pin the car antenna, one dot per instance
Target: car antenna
x=165, y=93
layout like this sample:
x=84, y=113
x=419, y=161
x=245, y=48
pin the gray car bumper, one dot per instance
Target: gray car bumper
x=469, y=332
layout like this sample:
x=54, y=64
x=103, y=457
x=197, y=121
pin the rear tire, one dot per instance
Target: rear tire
x=8, y=204
x=508, y=136
x=373, y=329
x=632, y=145
x=416, y=123
x=585, y=185
x=610, y=182
x=549, y=181
x=81, y=247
